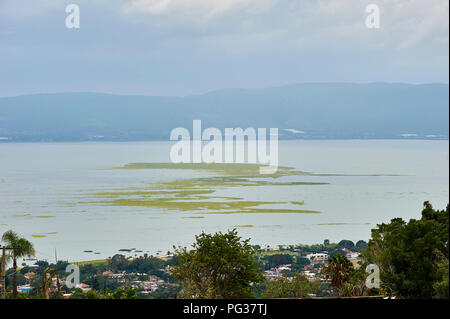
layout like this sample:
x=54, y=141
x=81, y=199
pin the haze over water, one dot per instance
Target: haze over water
x=43, y=189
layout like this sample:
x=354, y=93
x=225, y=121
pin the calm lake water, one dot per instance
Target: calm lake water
x=42, y=186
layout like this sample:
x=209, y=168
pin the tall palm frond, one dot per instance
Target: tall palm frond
x=18, y=248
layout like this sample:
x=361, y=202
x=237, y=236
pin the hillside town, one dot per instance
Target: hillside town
x=122, y=272
x=207, y=270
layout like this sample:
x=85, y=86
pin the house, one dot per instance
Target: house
x=309, y=275
x=351, y=254
x=29, y=275
x=24, y=288
x=284, y=267
x=317, y=258
x=84, y=287
x=153, y=278
x=272, y=274
x=118, y=275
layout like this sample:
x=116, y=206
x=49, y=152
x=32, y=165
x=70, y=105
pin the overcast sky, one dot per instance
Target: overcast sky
x=182, y=47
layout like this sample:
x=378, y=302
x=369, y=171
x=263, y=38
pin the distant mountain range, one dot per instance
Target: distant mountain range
x=308, y=111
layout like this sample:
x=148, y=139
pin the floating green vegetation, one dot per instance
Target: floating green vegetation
x=172, y=204
x=44, y=216
x=221, y=169
x=43, y=234
x=22, y=215
x=235, y=169
x=265, y=211
x=297, y=203
x=194, y=217
x=244, y=226
x=198, y=195
x=175, y=193
x=205, y=184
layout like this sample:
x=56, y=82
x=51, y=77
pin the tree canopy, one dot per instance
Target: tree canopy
x=413, y=256
x=297, y=287
x=220, y=265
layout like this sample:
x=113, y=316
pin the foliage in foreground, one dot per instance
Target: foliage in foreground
x=346, y=280
x=108, y=294
x=18, y=247
x=413, y=256
x=218, y=266
x=297, y=287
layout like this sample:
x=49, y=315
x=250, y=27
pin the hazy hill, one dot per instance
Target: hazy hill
x=319, y=110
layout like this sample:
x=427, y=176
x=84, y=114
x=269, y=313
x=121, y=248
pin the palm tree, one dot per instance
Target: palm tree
x=45, y=282
x=2, y=272
x=46, y=279
x=340, y=270
x=20, y=247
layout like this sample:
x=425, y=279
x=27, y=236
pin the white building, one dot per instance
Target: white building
x=317, y=258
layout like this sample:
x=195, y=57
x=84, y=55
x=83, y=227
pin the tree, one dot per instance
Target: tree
x=360, y=245
x=441, y=287
x=300, y=263
x=46, y=280
x=219, y=266
x=122, y=294
x=340, y=270
x=165, y=292
x=19, y=247
x=412, y=255
x=355, y=285
x=297, y=287
x=108, y=294
x=337, y=252
x=118, y=262
x=346, y=244
x=276, y=260
x=6, y=261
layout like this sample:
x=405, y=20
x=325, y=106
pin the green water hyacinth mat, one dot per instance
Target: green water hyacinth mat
x=198, y=195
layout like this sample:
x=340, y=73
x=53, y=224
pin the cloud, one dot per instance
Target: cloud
x=198, y=9
x=199, y=17
x=199, y=45
x=25, y=9
x=337, y=24
x=303, y=24
x=422, y=21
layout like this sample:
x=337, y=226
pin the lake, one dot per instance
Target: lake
x=46, y=194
